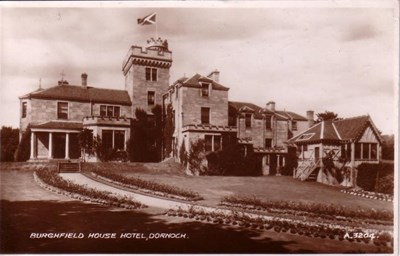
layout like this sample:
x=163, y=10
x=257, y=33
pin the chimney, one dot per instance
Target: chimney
x=214, y=75
x=84, y=80
x=310, y=118
x=271, y=106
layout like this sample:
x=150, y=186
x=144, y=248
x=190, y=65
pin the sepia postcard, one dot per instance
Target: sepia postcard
x=205, y=127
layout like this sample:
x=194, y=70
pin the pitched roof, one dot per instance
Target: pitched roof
x=337, y=130
x=195, y=81
x=292, y=115
x=79, y=93
x=58, y=125
x=240, y=106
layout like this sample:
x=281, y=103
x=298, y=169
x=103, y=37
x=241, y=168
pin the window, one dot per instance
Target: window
x=248, y=120
x=205, y=115
x=117, y=111
x=357, y=151
x=365, y=150
x=151, y=74
x=212, y=143
x=217, y=143
x=305, y=136
x=205, y=91
x=103, y=110
x=305, y=147
x=119, y=140
x=208, y=143
x=268, y=123
x=268, y=143
x=294, y=126
x=107, y=139
x=24, y=109
x=150, y=97
x=62, y=110
x=374, y=151
x=110, y=111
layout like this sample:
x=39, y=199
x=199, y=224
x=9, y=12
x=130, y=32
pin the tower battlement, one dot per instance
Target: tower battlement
x=155, y=54
x=146, y=71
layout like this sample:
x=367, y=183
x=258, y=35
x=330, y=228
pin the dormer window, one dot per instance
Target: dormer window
x=248, y=120
x=294, y=126
x=268, y=122
x=205, y=90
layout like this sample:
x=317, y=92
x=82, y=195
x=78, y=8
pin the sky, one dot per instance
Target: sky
x=327, y=57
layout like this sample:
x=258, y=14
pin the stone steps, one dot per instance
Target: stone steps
x=68, y=167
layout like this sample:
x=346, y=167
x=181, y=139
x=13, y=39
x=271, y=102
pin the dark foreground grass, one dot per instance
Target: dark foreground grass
x=21, y=219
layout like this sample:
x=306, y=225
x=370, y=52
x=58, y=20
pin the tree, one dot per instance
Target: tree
x=183, y=155
x=327, y=115
x=9, y=142
x=86, y=144
x=24, y=146
x=168, y=130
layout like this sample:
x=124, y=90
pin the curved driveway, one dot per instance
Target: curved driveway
x=80, y=179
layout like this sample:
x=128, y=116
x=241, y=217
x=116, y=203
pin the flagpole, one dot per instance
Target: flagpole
x=156, y=29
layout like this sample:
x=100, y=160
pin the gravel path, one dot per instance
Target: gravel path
x=80, y=179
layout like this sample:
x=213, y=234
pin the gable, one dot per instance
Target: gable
x=369, y=136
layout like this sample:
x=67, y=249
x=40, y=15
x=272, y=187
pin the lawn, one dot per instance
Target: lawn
x=213, y=188
x=26, y=208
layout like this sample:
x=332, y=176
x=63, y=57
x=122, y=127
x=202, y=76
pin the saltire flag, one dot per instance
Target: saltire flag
x=148, y=20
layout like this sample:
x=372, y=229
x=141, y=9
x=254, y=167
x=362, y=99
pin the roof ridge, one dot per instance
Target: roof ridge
x=349, y=118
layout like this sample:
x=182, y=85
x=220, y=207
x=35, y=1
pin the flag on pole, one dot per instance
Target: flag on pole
x=148, y=20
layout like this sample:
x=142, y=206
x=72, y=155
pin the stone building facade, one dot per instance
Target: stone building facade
x=200, y=106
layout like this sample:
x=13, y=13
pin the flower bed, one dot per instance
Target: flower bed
x=296, y=227
x=50, y=180
x=368, y=194
x=326, y=211
x=148, y=187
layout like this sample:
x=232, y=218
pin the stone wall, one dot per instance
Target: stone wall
x=192, y=103
x=281, y=130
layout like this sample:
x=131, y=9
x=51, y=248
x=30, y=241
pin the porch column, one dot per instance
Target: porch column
x=321, y=155
x=67, y=146
x=32, y=145
x=50, y=145
x=283, y=160
x=278, y=168
x=352, y=164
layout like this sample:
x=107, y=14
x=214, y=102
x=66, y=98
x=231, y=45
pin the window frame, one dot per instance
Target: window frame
x=204, y=89
x=208, y=114
x=151, y=74
x=247, y=120
x=105, y=109
x=268, y=124
x=149, y=98
x=59, y=112
x=294, y=125
x=24, y=109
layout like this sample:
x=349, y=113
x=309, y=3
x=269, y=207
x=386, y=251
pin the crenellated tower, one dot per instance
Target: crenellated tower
x=146, y=71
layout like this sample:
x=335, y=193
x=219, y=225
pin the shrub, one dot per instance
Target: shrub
x=9, y=142
x=385, y=185
x=322, y=209
x=183, y=156
x=196, y=157
x=232, y=161
x=24, y=147
x=369, y=175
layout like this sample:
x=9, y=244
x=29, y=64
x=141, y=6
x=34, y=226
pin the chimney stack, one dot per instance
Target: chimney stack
x=310, y=118
x=271, y=106
x=214, y=75
x=84, y=80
